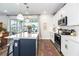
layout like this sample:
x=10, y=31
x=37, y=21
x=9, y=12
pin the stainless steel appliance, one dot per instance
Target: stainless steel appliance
x=66, y=31
x=63, y=21
x=57, y=41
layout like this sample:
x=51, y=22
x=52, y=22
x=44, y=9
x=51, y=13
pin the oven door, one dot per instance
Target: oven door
x=58, y=42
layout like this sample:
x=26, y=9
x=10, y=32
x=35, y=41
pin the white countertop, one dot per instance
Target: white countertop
x=23, y=35
x=72, y=38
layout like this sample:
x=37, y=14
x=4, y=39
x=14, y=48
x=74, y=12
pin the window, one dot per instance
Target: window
x=17, y=26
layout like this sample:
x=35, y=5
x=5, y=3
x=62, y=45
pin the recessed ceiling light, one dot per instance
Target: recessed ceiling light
x=5, y=11
x=27, y=6
x=25, y=3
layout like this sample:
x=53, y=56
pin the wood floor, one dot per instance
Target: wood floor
x=46, y=48
x=3, y=51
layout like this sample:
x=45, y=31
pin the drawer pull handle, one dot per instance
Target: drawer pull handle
x=66, y=46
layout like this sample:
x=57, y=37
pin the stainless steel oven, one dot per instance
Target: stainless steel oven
x=57, y=41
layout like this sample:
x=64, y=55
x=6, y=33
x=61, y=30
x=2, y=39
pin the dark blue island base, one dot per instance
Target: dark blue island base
x=24, y=47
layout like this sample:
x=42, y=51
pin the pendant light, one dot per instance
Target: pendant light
x=20, y=16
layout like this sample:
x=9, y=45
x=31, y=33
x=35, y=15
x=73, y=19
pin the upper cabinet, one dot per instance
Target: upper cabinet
x=70, y=10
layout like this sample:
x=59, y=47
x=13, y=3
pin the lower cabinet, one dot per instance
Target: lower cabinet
x=69, y=47
x=73, y=48
x=52, y=36
x=64, y=46
x=24, y=47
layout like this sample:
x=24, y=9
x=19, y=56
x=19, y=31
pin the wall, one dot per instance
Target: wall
x=45, y=22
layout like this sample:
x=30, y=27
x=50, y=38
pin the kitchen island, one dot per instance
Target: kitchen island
x=24, y=44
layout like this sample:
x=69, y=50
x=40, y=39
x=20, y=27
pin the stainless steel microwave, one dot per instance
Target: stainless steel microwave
x=63, y=21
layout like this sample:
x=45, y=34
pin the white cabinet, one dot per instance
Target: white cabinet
x=64, y=46
x=73, y=48
x=52, y=36
x=69, y=47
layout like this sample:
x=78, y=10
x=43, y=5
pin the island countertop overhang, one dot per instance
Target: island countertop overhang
x=23, y=35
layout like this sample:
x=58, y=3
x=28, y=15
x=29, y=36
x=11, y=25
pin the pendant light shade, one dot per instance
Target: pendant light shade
x=20, y=17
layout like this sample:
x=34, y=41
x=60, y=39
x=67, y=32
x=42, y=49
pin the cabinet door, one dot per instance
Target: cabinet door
x=24, y=47
x=64, y=46
x=73, y=48
x=52, y=36
x=27, y=47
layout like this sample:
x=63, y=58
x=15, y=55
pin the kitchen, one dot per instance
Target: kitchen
x=58, y=25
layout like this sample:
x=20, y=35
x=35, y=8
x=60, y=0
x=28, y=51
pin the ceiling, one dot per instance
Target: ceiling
x=34, y=8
